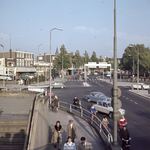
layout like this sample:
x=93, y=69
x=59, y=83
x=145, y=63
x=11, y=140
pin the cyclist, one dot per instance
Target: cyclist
x=105, y=122
x=124, y=135
x=55, y=101
x=93, y=111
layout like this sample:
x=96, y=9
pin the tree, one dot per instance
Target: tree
x=130, y=53
x=100, y=58
x=86, y=57
x=78, y=60
x=94, y=58
x=63, y=59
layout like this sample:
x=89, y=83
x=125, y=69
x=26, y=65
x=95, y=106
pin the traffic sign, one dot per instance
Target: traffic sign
x=119, y=103
x=119, y=92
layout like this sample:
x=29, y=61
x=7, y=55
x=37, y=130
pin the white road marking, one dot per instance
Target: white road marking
x=135, y=102
x=123, y=96
x=131, y=100
x=127, y=98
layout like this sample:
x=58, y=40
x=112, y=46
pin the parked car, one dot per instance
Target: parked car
x=96, y=96
x=58, y=85
x=141, y=86
x=105, y=107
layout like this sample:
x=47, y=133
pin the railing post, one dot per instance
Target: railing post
x=108, y=138
x=70, y=108
x=58, y=104
x=81, y=112
x=100, y=127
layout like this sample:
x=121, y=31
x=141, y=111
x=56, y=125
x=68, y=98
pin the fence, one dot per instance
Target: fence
x=86, y=115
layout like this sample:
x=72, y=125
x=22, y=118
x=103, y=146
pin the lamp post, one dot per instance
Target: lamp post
x=3, y=65
x=115, y=81
x=137, y=49
x=38, y=63
x=50, y=63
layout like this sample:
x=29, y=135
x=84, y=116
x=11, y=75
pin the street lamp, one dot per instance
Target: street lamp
x=137, y=64
x=50, y=63
x=38, y=63
x=3, y=65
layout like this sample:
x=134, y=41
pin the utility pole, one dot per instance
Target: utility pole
x=115, y=111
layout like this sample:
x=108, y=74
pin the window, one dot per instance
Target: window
x=22, y=55
x=17, y=54
x=17, y=62
x=26, y=63
x=22, y=62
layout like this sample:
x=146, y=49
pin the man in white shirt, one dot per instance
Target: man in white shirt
x=84, y=145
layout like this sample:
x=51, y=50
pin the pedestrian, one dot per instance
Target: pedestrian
x=93, y=111
x=122, y=122
x=71, y=130
x=84, y=145
x=69, y=145
x=124, y=135
x=57, y=135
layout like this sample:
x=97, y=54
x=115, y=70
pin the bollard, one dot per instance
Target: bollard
x=81, y=112
x=70, y=108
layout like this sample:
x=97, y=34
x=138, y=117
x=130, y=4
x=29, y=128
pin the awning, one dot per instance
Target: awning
x=25, y=69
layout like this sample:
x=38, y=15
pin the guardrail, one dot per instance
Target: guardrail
x=87, y=115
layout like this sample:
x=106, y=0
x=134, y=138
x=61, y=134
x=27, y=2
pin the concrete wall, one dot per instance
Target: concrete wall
x=40, y=127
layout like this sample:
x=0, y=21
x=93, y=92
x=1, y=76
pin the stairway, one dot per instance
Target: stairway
x=12, y=134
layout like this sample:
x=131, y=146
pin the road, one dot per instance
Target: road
x=137, y=108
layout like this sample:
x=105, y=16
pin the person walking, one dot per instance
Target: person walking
x=93, y=111
x=84, y=145
x=71, y=130
x=57, y=135
x=69, y=145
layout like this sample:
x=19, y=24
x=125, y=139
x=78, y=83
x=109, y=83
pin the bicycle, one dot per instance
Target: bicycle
x=53, y=107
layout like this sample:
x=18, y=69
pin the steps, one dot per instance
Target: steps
x=12, y=134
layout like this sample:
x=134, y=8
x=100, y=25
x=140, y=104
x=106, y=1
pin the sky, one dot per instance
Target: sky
x=87, y=25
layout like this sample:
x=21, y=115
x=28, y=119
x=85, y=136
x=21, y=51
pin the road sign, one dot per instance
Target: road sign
x=119, y=103
x=119, y=92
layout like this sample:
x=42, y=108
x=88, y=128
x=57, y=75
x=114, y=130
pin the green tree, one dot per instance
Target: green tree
x=86, y=57
x=94, y=58
x=100, y=58
x=63, y=60
x=78, y=60
x=130, y=53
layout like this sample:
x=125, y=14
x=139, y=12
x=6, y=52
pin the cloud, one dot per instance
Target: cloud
x=89, y=29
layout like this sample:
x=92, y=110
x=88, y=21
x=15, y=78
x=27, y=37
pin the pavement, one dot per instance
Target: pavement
x=83, y=129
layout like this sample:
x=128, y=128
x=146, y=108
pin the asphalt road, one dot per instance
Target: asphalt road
x=136, y=107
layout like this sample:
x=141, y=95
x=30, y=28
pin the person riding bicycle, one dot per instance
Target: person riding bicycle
x=55, y=101
x=122, y=122
x=93, y=111
x=124, y=135
x=105, y=122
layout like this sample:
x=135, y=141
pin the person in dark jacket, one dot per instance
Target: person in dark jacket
x=124, y=135
x=76, y=101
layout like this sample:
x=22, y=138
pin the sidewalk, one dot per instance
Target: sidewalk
x=143, y=93
x=83, y=129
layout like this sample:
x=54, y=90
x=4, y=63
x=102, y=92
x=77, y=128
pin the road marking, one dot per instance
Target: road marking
x=123, y=96
x=135, y=102
x=127, y=98
x=131, y=100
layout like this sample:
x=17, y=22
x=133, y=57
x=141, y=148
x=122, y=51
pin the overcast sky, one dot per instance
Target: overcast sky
x=87, y=25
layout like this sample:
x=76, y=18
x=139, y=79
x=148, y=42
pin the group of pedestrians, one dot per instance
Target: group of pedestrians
x=71, y=136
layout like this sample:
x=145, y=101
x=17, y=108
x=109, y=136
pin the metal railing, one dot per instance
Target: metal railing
x=87, y=115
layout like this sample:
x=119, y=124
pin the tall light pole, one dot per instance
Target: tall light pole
x=115, y=111
x=3, y=65
x=38, y=63
x=137, y=49
x=50, y=63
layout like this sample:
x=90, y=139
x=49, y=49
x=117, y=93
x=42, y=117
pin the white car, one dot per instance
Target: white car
x=141, y=86
x=105, y=107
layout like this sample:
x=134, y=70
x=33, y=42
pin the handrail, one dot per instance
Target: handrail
x=87, y=115
x=30, y=122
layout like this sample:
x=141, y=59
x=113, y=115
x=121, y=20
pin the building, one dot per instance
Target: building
x=17, y=62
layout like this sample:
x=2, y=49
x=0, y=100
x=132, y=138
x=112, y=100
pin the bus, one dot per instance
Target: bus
x=6, y=77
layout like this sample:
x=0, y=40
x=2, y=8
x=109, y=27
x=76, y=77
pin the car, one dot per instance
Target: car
x=95, y=96
x=105, y=107
x=141, y=86
x=58, y=85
